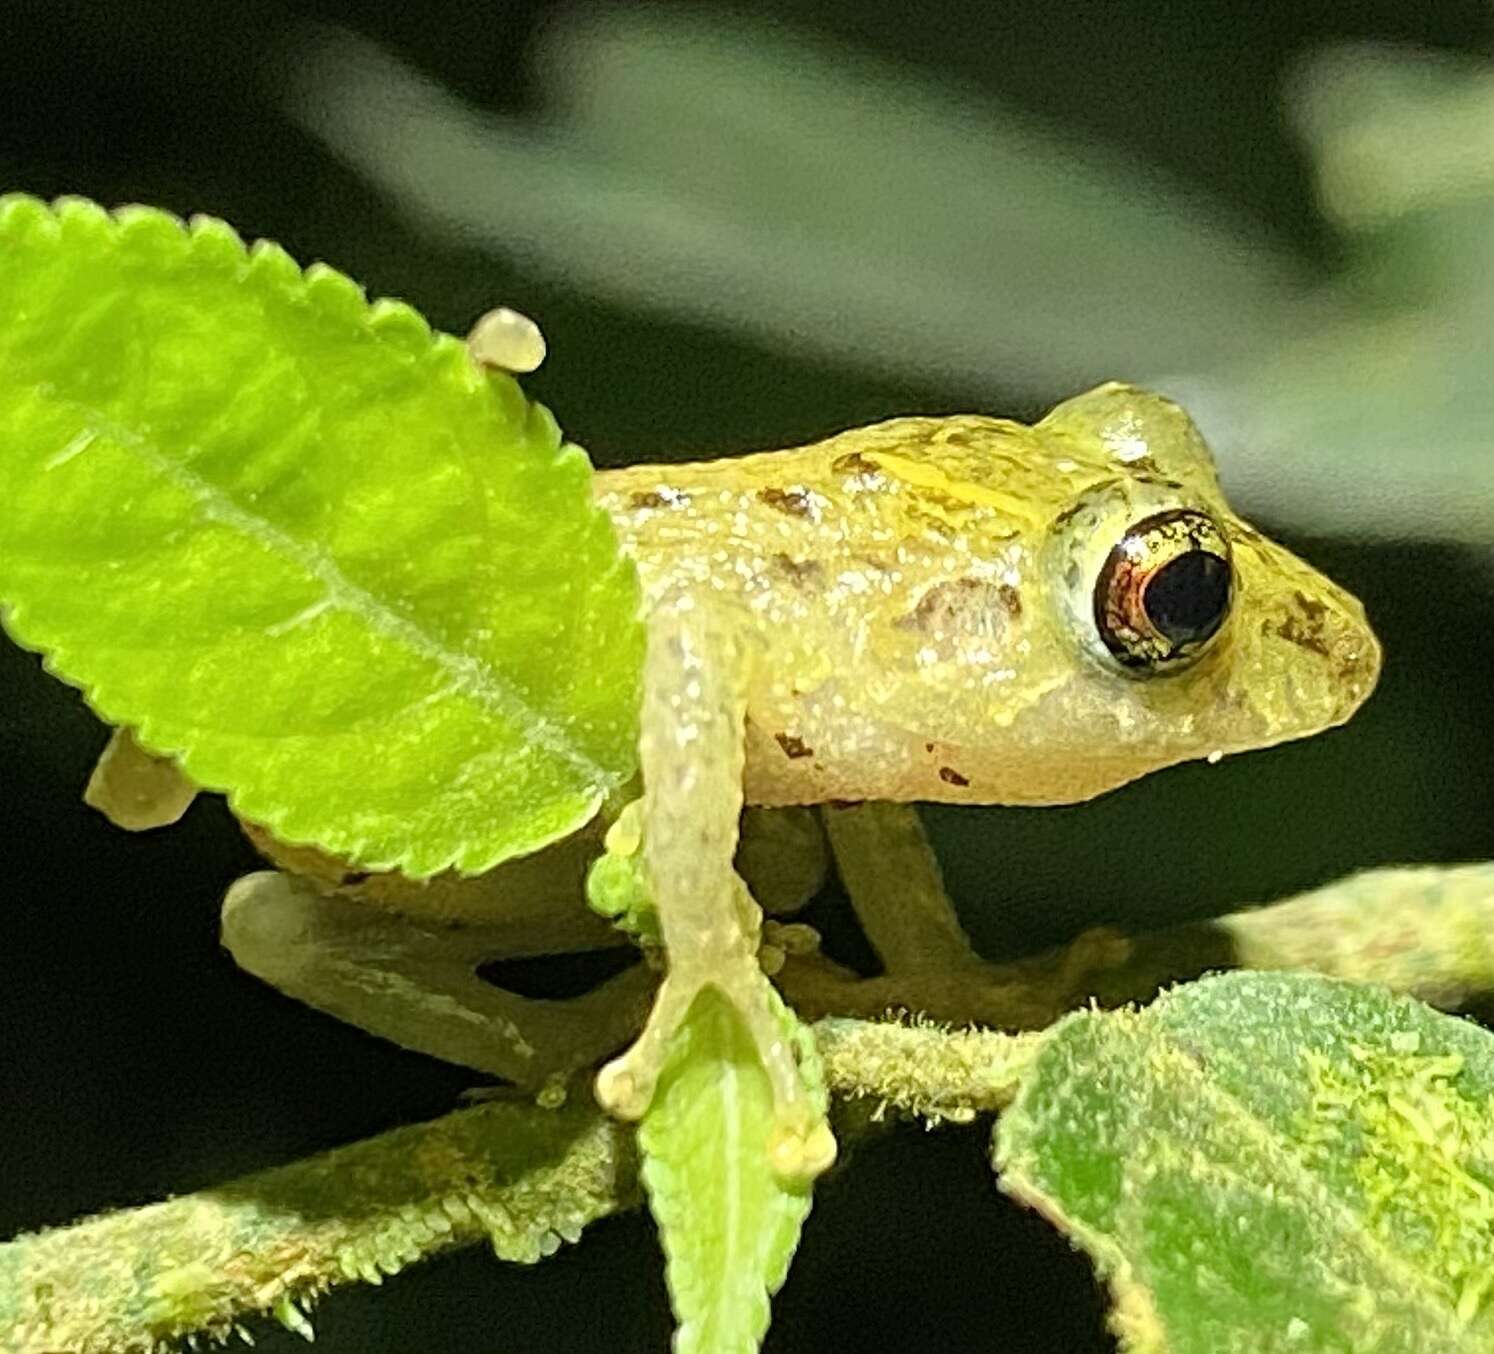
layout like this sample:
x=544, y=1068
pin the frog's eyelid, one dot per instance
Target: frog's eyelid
x=1135, y=428
x=924, y=475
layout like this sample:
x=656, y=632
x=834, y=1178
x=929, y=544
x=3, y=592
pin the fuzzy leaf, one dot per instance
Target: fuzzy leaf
x=1263, y=1162
x=728, y=1223
x=303, y=545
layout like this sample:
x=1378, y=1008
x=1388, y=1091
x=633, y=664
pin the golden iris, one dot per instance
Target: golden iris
x=1164, y=590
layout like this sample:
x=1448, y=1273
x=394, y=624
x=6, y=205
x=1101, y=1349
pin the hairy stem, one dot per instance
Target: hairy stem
x=133, y=1282
x=919, y=1068
x=525, y=1178
x=1423, y=930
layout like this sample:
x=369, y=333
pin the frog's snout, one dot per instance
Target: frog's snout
x=1336, y=656
x=1307, y=651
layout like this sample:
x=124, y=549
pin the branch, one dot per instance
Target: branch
x=526, y=1179
x=522, y=1178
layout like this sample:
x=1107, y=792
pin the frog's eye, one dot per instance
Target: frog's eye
x=1164, y=590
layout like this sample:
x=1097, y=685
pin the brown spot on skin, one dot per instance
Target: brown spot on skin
x=804, y=571
x=658, y=498
x=928, y=747
x=1310, y=607
x=882, y=564
x=1069, y=513
x=794, y=502
x=952, y=504
x=951, y=777
x=964, y=604
x=793, y=747
x=1306, y=630
x=854, y=463
x=938, y=601
x=1309, y=637
x=933, y=523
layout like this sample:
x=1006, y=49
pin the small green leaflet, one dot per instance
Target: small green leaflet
x=1270, y=1162
x=728, y=1224
x=304, y=545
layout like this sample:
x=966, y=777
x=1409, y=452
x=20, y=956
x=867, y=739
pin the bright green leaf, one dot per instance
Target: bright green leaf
x=729, y=1225
x=1263, y=1162
x=304, y=545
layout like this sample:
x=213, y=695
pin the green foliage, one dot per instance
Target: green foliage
x=1270, y=1161
x=303, y=545
x=1258, y=1162
x=311, y=552
x=728, y=1222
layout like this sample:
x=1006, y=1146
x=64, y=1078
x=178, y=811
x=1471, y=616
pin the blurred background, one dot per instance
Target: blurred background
x=745, y=226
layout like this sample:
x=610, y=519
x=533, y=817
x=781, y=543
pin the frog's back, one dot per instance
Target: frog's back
x=919, y=588
x=831, y=500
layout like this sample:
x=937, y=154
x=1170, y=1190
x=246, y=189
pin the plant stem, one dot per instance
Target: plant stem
x=137, y=1281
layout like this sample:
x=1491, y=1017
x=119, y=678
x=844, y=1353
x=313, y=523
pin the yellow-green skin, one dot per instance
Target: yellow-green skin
x=921, y=595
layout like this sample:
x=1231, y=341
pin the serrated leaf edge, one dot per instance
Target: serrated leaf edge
x=336, y=298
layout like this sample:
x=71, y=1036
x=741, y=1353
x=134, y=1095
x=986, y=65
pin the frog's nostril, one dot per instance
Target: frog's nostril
x=1361, y=661
x=1347, y=656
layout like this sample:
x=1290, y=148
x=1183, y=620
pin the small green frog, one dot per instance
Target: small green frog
x=961, y=609
x=958, y=609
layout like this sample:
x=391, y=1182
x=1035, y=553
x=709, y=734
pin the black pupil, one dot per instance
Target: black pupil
x=1187, y=599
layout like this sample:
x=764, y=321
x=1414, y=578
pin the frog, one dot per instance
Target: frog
x=959, y=609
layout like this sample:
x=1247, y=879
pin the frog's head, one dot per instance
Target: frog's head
x=1173, y=630
x=1037, y=615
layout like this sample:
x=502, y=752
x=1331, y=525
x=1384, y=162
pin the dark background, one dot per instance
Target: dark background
x=137, y=1062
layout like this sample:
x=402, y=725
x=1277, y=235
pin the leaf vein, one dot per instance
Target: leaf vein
x=469, y=674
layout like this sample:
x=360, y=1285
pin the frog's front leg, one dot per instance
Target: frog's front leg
x=691, y=751
x=929, y=966
x=894, y=883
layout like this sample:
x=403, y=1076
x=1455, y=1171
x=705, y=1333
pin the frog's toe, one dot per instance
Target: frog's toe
x=800, y=1145
x=625, y=1086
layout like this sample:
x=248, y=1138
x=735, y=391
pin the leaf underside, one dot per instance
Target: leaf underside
x=1269, y=1161
x=304, y=545
x=728, y=1225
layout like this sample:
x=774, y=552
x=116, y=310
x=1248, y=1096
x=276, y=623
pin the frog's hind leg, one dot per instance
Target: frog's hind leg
x=419, y=985
x=691, y=753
